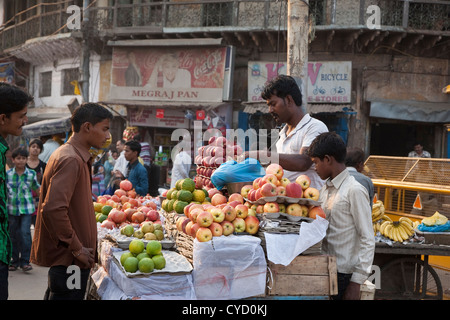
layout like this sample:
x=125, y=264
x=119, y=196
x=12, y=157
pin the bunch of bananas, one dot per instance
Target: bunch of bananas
x=400, y=230
x=377, y=210
x=378, y=216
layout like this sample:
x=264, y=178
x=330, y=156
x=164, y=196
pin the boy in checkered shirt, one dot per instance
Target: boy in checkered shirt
x=20, y=182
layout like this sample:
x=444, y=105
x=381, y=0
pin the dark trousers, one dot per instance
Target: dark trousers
x=3, y=281
x=60, y=284
x=343, y=279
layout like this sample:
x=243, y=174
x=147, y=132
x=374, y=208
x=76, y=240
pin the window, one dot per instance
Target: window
x=45, y=84
x=68, y=76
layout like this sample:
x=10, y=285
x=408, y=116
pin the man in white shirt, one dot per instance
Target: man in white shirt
x=121, y=163
x=284, y=98
x=50, y=146
x=345, y=202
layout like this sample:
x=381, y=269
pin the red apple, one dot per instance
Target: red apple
x=188, y=227
x=227, y=227
x=304, y=181
x=258, y=194
x=236, y=197
x=203, y=234
x=294, y=209
x=239, y=225
x=276, y=169
x=194, y=229
x=216, y=229
x=251, y=224
x=304, y=210
x=271, y=207
x=217, y=214
x=270, y=177
x=204, y=219
x=245, y=190
x=294, y=190
x=179, y=223
x=230, y=213
x=256, y=183
x=311, y=193
x=241, y=211
x=251, y=195
x=268, y=190
x=212, y=192
x=184, y=223
x=281, y=191
x=218, y=199
x=282, y=207
x=316, y=211
x=234, y=203
x=251, y=212
x=193, y=214
x=284, y=181
x=260, y=208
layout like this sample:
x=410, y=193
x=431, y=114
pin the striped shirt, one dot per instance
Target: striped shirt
x=20, y=197
x=5, y=241
x=350, y=234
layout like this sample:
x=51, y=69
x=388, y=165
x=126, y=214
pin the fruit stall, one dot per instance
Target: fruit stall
x=248, y=239
x=410, y=220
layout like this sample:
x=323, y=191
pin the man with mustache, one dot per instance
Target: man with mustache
x=66, y=231
x=284, y=98
x=13, y=116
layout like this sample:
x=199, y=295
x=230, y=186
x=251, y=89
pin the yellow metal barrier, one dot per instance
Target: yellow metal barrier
x=399, y=181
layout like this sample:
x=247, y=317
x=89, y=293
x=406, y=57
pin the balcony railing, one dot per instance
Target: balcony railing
x=231, y=15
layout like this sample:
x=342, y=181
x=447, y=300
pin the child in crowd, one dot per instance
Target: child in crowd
x=20, y=181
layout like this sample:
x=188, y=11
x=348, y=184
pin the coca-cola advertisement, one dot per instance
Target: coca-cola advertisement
x=168, y=74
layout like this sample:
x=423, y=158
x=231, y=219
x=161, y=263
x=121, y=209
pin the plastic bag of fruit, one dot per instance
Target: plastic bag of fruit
x=232, y=171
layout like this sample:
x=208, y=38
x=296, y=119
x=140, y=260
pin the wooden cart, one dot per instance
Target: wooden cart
x=406, y=273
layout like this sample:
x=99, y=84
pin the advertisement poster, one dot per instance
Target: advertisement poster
x=168, y=74
x=7, y=72
x=328, y=81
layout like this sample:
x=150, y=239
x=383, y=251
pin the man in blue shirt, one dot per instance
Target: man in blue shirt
x=137, y=174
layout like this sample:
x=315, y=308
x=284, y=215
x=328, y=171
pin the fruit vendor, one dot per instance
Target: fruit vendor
x=13, y=116
x=284, y=98
x=66, y=230
x=345, y=201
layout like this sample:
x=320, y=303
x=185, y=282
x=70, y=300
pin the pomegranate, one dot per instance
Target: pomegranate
x=125, y=185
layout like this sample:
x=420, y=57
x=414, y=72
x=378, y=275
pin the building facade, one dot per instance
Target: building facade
x=376, y=68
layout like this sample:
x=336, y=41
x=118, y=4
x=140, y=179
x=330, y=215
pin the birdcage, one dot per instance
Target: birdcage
x=415, y=187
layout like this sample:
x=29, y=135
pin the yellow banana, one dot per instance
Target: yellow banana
x=408, y=228
x=383, y=227
x=407, y=220
x=387, y=229
x=396, y=234
x=402, y=232
x=386, y=218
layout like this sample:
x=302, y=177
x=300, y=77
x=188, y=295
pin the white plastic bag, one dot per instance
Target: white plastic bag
x=229, y=267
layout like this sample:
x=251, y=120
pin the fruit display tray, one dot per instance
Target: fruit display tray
x=175, y=264
x=123, y=241
x=284, y=199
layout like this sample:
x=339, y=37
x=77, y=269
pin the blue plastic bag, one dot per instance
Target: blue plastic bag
x=232, y=171
x=440, y=228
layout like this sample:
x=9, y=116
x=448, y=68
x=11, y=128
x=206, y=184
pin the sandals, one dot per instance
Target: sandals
x=27, y=267
x=12, y=268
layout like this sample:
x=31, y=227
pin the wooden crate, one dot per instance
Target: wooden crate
x=314, y=275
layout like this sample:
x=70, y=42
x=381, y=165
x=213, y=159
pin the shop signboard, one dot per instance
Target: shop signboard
x=328, y=81
x=156, y=117
x=7, y=72
x=170, y=75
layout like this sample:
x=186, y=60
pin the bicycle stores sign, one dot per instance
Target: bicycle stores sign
x=328, y=81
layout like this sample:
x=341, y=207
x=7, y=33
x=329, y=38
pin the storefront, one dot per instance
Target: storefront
x=167, y=85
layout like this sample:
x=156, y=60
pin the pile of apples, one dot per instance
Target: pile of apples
x=125, y=207
x=274, y=184
x=210, y=157
x=222, y=217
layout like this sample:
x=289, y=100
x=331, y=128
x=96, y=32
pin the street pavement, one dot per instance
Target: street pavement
x=29, y=285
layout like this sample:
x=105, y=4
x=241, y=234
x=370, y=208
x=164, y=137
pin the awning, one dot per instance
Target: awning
x=436, y=112
x=47, y=127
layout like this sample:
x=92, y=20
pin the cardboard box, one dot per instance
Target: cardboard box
x=306, y=276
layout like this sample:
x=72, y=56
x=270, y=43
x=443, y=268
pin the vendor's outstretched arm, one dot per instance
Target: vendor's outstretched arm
x=291, y=162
